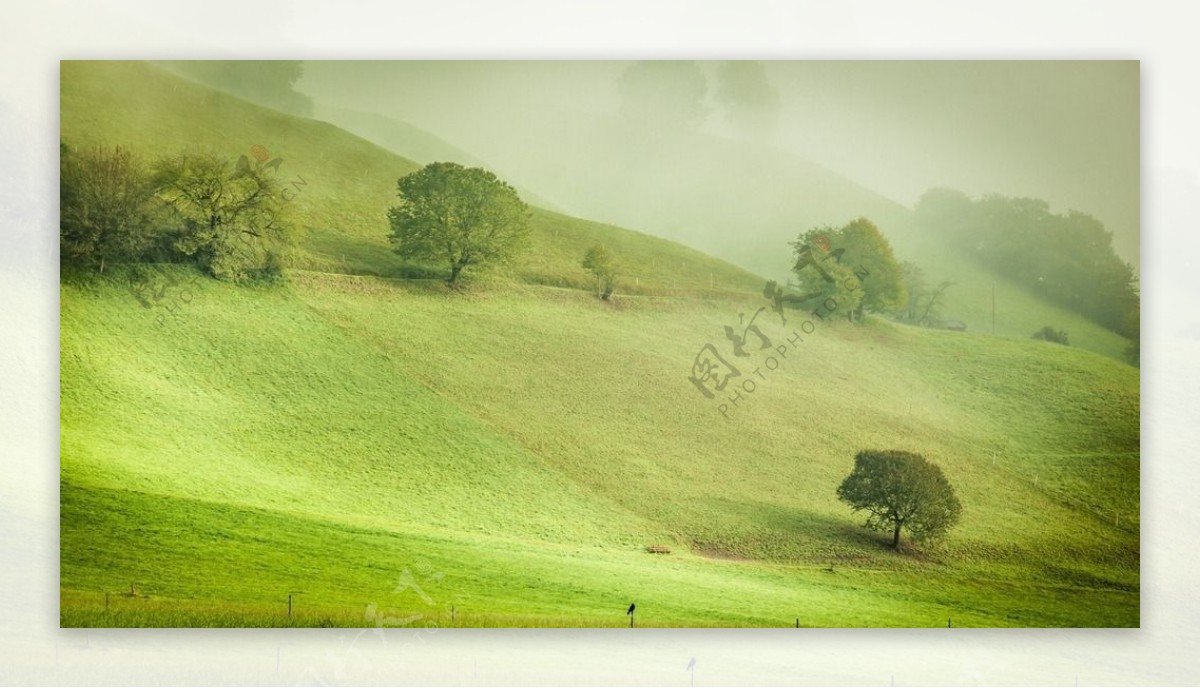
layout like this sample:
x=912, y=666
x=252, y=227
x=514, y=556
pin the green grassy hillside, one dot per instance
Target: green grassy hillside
x=741, y=200
x=344, y=184
x=350, y=183
x=723, y=196
x=1018, y=312
x=512, y=449
x=560, y=430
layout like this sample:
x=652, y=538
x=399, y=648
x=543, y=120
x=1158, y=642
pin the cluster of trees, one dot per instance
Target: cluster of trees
x=676, y=94
x=1068, y=259
x=853, y=264
x=225, y=217
x=856, y=266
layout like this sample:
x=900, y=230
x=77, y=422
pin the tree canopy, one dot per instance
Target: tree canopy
x=106, y=207
x=599, y=262
x=900, y=489
x=853, y=264
x=751, y=102
x=1069, y=259
x=867, y=250
x=229, y=219
x=199, y=208
x=267, y=82
x=458, y=216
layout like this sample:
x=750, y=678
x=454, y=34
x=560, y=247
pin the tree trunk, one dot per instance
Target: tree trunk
x=896, y=537
x=454, y=270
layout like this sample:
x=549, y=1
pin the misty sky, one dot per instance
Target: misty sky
x=1067, y=132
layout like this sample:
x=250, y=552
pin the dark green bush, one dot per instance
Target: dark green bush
x=1050, y=334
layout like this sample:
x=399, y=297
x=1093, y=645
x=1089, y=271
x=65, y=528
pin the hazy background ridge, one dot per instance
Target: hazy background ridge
x=1064, y=131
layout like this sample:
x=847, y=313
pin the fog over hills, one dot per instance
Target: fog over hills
x=1067, y=132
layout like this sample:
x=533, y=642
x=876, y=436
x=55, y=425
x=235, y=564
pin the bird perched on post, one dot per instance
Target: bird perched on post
x=632, y=607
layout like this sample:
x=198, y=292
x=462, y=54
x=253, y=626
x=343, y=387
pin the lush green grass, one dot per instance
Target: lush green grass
x=248, y=564
x=532, y=441
x=516, y=445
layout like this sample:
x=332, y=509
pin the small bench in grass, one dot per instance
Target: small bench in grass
x=658, y=549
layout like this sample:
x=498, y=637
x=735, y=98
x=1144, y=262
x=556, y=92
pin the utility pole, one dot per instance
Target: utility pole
x=993, y=308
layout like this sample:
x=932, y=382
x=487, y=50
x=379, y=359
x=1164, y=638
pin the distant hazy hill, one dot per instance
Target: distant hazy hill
x=720, y=195
x=744, y=202
x=348, y=183
x=411, y=142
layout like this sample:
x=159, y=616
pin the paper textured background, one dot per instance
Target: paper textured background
x=33, y=37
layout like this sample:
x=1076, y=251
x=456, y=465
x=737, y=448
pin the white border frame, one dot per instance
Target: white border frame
x=34, y=37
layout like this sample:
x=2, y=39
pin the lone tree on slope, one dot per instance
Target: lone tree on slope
x=900, y=489
x=462, y=216
x=599, y=262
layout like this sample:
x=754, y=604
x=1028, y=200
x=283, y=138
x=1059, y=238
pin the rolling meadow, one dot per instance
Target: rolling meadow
x=385, y=451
